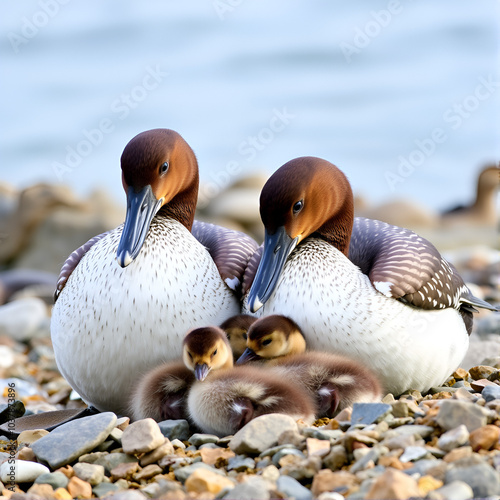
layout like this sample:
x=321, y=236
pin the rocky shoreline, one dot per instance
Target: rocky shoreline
x=445, y=444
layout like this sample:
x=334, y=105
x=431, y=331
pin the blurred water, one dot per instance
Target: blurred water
x=224, y=73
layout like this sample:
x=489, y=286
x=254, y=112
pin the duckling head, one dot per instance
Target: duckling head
x=206, y=349
x=236, y=328
x=159, y=173
x=272, y=337
x=306, y=196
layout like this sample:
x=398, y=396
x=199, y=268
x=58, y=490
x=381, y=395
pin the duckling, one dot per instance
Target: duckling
x=161, y=393
x=236, y=329
x=224, y=399
x=335, y=381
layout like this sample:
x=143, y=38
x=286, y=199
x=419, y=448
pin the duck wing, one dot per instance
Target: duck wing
x=230, y=250
x=403, y=265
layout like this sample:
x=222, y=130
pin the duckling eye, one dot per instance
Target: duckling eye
x=164, y=168
x=266, y=342
x=190, y=356
x=245, y=336
x=298, y=207
x=214, y=353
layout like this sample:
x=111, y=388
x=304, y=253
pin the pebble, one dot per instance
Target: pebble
x=285, y=452
x=41, y=490
x=481, y=371
x=484, y=438
x=453, y=413
x=491, y=393
x=166, y=448
x=142, y=436
x=456, y=490
x=240, y=463
x=92, y=473
x=327, y=480
x=318, y=447
x=55, y=479
x=29, y=437
x=336, y=458
x=112, y=460
x=482, y=478
x=21, y=471
x=175, y=429
x=413, y=453
x=291, y=488
x=393, y=484
x=453, y=438
x=23, y=318
x=103, y=489
x=200, y=439
x=207, y=481
x=253, y=488
x=71, y=440
x=369, y=413
x=182, y=473
x=78, y=488
x=261, y=433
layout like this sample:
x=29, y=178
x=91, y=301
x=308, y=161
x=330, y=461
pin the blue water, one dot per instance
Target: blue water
x=252, y=84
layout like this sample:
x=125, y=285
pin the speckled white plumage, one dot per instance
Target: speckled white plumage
x=123, y=321
x=340, y=311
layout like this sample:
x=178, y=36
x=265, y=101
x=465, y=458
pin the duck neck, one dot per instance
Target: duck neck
x=228, y=364
x=182, y=207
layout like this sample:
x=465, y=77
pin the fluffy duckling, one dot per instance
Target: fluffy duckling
x=161, y=393
x=335, y=381
x=236, y=329
x=224, y=399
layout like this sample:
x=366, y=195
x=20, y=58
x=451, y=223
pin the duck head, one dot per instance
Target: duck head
x=305, y=197
x=206, y=349
x=159, y=174
x=272, y=337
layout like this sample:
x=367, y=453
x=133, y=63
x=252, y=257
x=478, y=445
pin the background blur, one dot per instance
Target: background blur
x=403, y=96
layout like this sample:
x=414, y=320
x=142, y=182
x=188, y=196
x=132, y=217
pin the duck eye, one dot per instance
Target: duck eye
x=298, y=207
x=164, y=168
x=190, y=356
x=266, y=342
x=245, y=336
x=214, y=353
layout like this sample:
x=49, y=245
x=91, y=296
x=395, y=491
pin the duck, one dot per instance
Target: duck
x=376, y=293
x=236, y=329
x=125, y=299
x=335, y=382
x=224, y=398
x=483, y=211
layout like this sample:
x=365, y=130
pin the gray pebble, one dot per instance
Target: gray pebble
x=292, y=488
x=491, y=392
x=336, y=458
x=92, y=473
x=453, y=413
x=453, y=438
x=286, y=451
x=110, y=461
x=199, y=439
x=372, y=456
x=255, y=487
x=104, y=488
x=55, y=479
x=482, y=478
x=175, y=429
x=369, y=413
x=413, y=453
x=406, y=430
x=240, y=463
x=182, y=473
x=71, y=440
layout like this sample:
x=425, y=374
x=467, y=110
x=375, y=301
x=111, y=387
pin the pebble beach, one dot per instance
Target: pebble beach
x=440, y=445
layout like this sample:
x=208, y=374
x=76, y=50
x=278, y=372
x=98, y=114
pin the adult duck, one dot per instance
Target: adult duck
x=125, y=299
x=377, y=293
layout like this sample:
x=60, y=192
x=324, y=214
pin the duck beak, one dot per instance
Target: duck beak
x=277, y=247
x=142, y=206
x=201, y=371
x=248, y=355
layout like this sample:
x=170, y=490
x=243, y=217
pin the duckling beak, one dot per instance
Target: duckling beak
x=277, y=247
x=248, y=355
x=201, y=371
x=142, y=206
